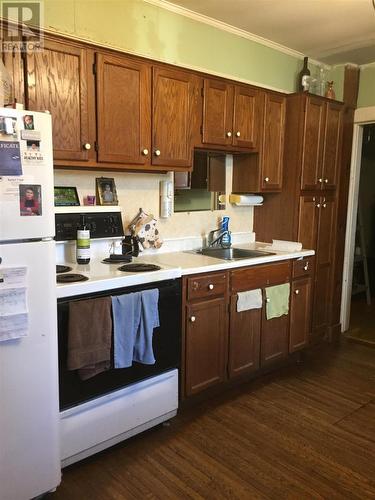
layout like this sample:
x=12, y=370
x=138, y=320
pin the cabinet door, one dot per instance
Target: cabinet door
x=332, y=136
x=324, y=264
x=274, y=339
x=312, y=147
x=13, y=62
x=217, y=112
x=244, y=339
x=273, y=143
x=246, y=126
x=308, y=221
x=205, y=345
x=300, y=314
x=57, y=82
x=173, y=95
x=124, y=107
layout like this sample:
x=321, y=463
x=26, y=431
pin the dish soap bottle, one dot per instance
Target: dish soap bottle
x=226, y=240
x=83, y=242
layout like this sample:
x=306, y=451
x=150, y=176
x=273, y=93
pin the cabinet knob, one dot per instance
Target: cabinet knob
x=192, y=319
x=324, y=205
x=306, y=267
x=145, y=152
x=87, y=146
x=268, y=300
x=320, y=180
x=238, y=134
x=157, y=152
x=296, y=292
x=210, y=286
x=266, y=179
x=326, y=181
x=229, y=134
x=317, y=205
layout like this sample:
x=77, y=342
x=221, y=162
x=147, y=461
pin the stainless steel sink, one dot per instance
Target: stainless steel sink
x=232, y=253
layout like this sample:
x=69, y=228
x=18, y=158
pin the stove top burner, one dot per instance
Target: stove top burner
x=139, y=268
x=118, y=259
x=70, y=278
x=62, y=269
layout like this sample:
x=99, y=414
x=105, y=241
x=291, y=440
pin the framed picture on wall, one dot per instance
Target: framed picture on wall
x=106, y=193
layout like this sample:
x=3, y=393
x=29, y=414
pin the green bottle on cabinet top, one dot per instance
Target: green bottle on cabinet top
x=304, y=77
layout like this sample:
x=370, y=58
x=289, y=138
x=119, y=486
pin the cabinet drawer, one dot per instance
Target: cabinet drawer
x=208, y=285
x=260, y=276
x=303, y=267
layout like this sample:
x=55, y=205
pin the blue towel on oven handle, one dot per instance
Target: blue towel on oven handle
x=149, y=319
x=126, y=310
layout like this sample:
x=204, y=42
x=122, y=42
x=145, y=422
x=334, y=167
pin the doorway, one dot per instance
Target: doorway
x=358, y=297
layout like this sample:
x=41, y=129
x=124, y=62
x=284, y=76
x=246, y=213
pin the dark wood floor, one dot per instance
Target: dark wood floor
x=305, y=432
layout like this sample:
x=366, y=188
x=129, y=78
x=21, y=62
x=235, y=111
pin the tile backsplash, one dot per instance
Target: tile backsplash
x=135, y=190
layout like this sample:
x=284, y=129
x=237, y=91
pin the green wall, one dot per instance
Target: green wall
x=136, y=26
x=366, y=95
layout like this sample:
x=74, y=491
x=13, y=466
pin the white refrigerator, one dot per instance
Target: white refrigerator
x=29, y=406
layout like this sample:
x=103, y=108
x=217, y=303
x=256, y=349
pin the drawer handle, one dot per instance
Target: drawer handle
x=192, y=319
x=296, y=292
x=306, y=267
x=210, y=286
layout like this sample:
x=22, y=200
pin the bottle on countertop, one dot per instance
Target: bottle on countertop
x=83, y=242
x=226, y=239
x=304, y=77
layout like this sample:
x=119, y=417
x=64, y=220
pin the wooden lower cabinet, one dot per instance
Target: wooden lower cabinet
x=222, y=343
x=274, y=339
x=244, y=340
x=300, y=314
x=205, y=344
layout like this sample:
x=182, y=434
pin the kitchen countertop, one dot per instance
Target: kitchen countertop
x=173, y=265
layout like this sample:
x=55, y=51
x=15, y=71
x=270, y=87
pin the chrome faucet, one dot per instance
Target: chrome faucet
x=221, y=236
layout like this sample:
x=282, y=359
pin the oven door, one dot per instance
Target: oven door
x=166, y=346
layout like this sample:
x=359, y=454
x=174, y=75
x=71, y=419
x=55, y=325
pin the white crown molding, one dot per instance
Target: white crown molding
x=176, y=9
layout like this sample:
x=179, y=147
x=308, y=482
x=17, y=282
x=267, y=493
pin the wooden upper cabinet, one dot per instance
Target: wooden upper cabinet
x=246, y=117
x=57, y=82
x=273, y=142
x=312, y=148
x=172, y=101
x=14, y=64
x=217, y=112
x=124, y=109
x=332, y=140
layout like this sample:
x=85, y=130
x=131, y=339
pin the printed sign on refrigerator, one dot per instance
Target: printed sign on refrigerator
x=13, y=303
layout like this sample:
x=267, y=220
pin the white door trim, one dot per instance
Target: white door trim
x=361, y=117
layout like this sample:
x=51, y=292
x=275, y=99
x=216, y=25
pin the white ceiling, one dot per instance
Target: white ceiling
x=331, y=31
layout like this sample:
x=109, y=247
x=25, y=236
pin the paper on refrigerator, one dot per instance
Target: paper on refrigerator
x=13, y=303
